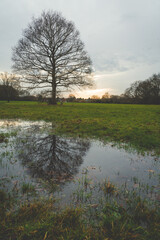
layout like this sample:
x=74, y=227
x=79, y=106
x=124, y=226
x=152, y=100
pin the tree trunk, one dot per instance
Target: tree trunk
x=8, y=96
x=53, y=100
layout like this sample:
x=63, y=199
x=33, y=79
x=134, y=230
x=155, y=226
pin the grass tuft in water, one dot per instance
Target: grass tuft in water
x=116, y=216
x=3, y=138
x=108, y=187
x=28, y=188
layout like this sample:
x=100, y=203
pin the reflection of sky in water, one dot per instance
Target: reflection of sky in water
x=17, y=123
x=117, y=164
x=14, y=125
x=33, y=155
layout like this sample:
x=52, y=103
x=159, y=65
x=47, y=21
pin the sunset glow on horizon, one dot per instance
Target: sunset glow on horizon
x=88, y=93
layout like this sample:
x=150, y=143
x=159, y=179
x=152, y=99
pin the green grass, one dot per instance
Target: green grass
x=28, y=188
x=2, y=137
x=122, y=215
x=136, y=125
x=135, y=219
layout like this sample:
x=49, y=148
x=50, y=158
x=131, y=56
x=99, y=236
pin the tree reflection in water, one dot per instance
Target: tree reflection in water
x=52, y=158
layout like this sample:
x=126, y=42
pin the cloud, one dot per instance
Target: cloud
x=89, y=93
x=109, y=64
x=122, y=37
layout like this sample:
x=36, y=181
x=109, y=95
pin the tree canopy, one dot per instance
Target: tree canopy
x=9, y=86
x=147, y=91
x=51, y=56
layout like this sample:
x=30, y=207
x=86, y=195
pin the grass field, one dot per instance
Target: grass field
x=136, y=125
x=135, y=219
x=122, y=214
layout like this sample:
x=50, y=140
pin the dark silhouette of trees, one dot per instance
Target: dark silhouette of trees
x=9, y=86
x=51, y=56
x=95, y=97
x=145, y=92
x=106, y=95
x=8, y=93
x=71, y=98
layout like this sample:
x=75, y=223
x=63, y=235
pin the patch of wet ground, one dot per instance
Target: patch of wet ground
x=37, y=162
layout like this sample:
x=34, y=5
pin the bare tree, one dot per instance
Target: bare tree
x=106, y=95
x=147, y=92
x=51, y=55
x=10, y=84
x=95, y=97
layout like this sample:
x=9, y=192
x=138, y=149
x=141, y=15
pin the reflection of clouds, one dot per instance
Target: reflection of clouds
x=7, y=123
x=7, y=126
x=20, y=123
x=50, y=157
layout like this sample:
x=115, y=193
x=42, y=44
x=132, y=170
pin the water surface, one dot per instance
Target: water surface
x=35, y=155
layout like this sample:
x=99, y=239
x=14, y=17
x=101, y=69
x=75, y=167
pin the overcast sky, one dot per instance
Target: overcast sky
x=122, y=37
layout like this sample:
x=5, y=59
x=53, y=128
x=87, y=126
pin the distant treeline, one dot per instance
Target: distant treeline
x=9, y=93
x=140, y=92
x=145, y=92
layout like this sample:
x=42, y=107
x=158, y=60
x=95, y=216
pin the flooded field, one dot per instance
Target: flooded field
x=36, y=162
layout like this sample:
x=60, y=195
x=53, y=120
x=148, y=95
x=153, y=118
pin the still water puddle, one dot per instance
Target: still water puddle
x=34, y=155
